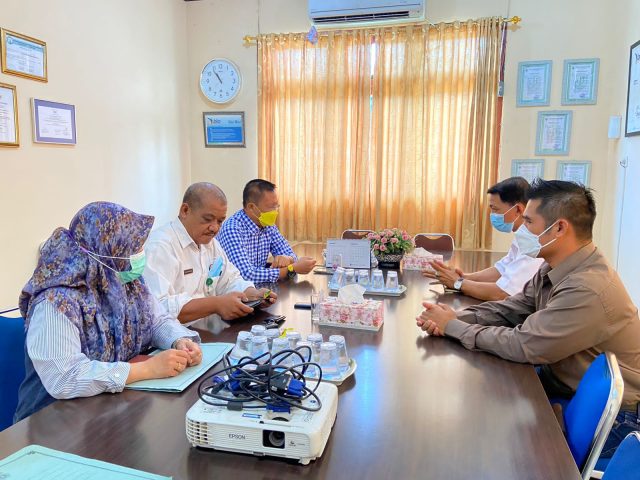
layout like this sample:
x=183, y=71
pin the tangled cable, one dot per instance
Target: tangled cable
x=265, y=381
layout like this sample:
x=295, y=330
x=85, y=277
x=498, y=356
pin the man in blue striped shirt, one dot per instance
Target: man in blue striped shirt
x=250, y=235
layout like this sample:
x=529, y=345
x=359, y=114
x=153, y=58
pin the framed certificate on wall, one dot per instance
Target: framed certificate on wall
x=9, y=129
x=574, y=171
x=23, y=56
x=580, y=81
x=53, y=122
x=534, y=84
x=528, y=169
x=554, y=132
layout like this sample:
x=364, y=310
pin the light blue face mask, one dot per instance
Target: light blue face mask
x=137, y=262
x=497, y=220
x=529, y=243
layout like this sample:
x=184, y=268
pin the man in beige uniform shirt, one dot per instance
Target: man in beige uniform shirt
x=572, y=310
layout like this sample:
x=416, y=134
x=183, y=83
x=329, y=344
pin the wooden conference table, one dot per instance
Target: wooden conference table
x=417, y=407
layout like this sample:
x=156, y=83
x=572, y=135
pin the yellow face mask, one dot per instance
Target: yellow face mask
x=268, y=219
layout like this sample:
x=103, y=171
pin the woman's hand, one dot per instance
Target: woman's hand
x=192, y=348
x=168, y=363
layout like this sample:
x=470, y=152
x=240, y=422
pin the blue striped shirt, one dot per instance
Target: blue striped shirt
x=248, y=247
x=53, y=344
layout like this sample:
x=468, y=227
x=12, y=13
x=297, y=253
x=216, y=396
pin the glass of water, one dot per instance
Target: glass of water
x=392, y=281
x=329, y=360
x=350, y=274
x=343, y=357
x=363, y=278
x=315, y=307
x=338, y=278
x=378, y=280
x=259, y=346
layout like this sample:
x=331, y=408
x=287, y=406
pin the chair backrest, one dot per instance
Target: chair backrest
x=434, y=242
x=355, y=234
x=12, y=339
x=625, y=463
x=591, y=412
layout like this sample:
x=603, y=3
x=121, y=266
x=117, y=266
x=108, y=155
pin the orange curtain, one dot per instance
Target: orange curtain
x=383, y=127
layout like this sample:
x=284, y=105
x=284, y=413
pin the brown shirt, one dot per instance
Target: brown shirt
x=564, y=317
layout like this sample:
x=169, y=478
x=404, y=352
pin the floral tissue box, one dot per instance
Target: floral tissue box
x=420, y=262
x=369, y=314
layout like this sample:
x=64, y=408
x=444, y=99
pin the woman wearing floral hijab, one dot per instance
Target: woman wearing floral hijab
x=88, y=313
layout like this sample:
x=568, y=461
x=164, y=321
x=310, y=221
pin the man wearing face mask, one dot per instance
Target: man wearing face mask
x=187, y=269
x=507, y=200
x=572, y=310
x=251, y=234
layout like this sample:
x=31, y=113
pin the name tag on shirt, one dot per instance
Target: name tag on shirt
x=188, y=271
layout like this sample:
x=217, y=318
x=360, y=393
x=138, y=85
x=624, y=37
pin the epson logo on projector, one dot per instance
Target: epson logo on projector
x=237, y=436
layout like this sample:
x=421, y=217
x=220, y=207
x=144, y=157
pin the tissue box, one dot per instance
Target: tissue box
x=368, y=315
x=420, y=262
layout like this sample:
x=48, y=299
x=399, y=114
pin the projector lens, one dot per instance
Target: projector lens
x=276, y=439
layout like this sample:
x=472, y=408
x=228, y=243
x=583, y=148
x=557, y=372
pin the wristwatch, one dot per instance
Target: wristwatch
x=457, y=285
x=290, y=271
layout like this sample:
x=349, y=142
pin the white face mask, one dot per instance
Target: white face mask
x=529, y=243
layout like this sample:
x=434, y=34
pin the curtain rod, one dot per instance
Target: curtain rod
x=253, y=40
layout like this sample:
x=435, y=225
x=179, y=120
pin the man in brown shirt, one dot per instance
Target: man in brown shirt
x=572, y=310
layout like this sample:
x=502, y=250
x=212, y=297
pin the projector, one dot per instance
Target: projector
x=300, y=435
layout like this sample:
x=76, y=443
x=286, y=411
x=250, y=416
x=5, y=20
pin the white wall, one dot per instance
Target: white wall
x=122, y=63
x=627, y=257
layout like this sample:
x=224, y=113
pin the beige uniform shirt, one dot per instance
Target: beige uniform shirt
x=564, y=317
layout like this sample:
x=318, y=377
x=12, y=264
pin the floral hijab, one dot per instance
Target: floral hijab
x=114, y=319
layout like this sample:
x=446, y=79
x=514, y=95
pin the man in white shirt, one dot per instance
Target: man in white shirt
x=507, y=201
x=187, y=269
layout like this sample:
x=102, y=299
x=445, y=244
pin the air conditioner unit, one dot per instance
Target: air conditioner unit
x=339, y=12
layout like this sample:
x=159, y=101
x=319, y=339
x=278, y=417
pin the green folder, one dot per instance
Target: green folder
x=212, y=353
x=36, y=463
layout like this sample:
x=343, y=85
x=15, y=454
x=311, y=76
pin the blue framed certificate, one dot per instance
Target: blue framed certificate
x=224, y=129
x=23, y=56
x=53, y=122
x=580, y=81
x=554, y=132
x=534, y=84
x=574, y=171
x=528, y=169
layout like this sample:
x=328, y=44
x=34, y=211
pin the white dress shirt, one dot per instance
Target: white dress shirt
x=516, y=269
x=177, y=268
x=53, y=344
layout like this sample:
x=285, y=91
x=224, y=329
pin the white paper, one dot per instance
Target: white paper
x=7, y=116
x=580, y=81
x=55, y=123
x=24, y=56
x=553, y=132
x=534, y=82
